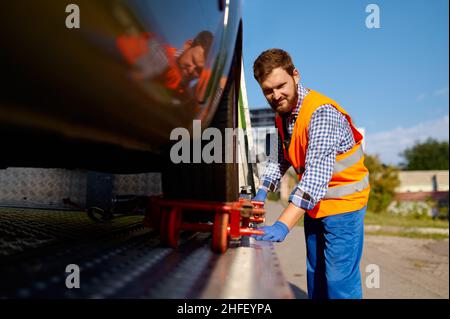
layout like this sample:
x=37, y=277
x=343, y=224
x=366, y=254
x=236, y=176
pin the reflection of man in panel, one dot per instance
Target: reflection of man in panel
x=318, y=139
x=173, y=68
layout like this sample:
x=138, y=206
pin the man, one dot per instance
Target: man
x=192, y=59
x=174, y=68
x=318, y=138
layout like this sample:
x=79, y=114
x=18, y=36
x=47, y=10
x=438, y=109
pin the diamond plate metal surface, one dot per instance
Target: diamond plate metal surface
x=122, y=259
x=137, y=184
x=47, y=187
x=23, y=228
x=41, y=187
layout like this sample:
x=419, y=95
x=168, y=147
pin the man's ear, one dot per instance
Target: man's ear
x=296, y=76
x=187, y=44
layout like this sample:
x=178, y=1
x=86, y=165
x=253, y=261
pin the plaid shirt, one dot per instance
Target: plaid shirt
x=329, y=134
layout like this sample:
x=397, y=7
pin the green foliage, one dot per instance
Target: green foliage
x=383, y=182
x=273, y=196
x=403, y=221
x=429, y=155
x=419, y=211
x=443, y=213
x=414, y=209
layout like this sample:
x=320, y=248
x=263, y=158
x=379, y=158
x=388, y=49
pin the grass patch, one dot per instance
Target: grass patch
x=407, y=234
x=388, y=219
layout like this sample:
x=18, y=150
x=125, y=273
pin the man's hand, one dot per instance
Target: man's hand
x=287, y=220
x=261, y=196
x=277, y=232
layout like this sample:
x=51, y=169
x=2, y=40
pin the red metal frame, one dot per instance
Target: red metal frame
x=167, y=214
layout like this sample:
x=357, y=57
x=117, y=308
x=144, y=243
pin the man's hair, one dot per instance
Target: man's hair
x=269, y=60
x=203, y=39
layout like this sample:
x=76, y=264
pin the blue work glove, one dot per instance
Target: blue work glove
x=277, y=232
x=260, y=196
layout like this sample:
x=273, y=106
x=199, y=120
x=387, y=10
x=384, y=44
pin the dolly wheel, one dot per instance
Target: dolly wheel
x=220, y=233
x=173, y=227
x=163, y=226
x=170, y=227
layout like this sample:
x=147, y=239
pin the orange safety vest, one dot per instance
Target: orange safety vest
x=348, y=189
x=133, y=47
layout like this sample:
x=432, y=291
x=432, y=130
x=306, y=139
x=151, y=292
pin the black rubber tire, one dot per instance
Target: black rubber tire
x=214, y=181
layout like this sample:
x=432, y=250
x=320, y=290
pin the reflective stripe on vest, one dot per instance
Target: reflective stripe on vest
x=340, y=191
x=339, y=166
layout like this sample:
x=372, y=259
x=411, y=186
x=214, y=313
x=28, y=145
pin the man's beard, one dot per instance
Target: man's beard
x=290, y=102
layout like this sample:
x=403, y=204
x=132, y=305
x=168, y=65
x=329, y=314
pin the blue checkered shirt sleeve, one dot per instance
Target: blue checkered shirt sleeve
x=275, y=168
x=329, y=134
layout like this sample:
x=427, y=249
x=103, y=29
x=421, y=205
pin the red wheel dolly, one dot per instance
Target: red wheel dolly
x=231, y=221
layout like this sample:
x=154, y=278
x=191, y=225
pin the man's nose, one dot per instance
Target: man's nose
x=190, y=68
x=276, y=95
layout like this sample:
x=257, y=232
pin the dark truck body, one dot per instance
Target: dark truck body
x=69, y=98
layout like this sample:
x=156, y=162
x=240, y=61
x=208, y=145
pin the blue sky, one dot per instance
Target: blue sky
x=393, y=80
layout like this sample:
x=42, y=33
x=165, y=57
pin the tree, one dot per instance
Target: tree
x=428, y=155
x=383, y=182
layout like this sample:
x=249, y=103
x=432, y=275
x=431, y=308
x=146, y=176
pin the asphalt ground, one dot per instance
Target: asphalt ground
x=408, y=268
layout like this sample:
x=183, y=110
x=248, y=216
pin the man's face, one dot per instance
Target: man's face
x=280, y=90
x=191, y=62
